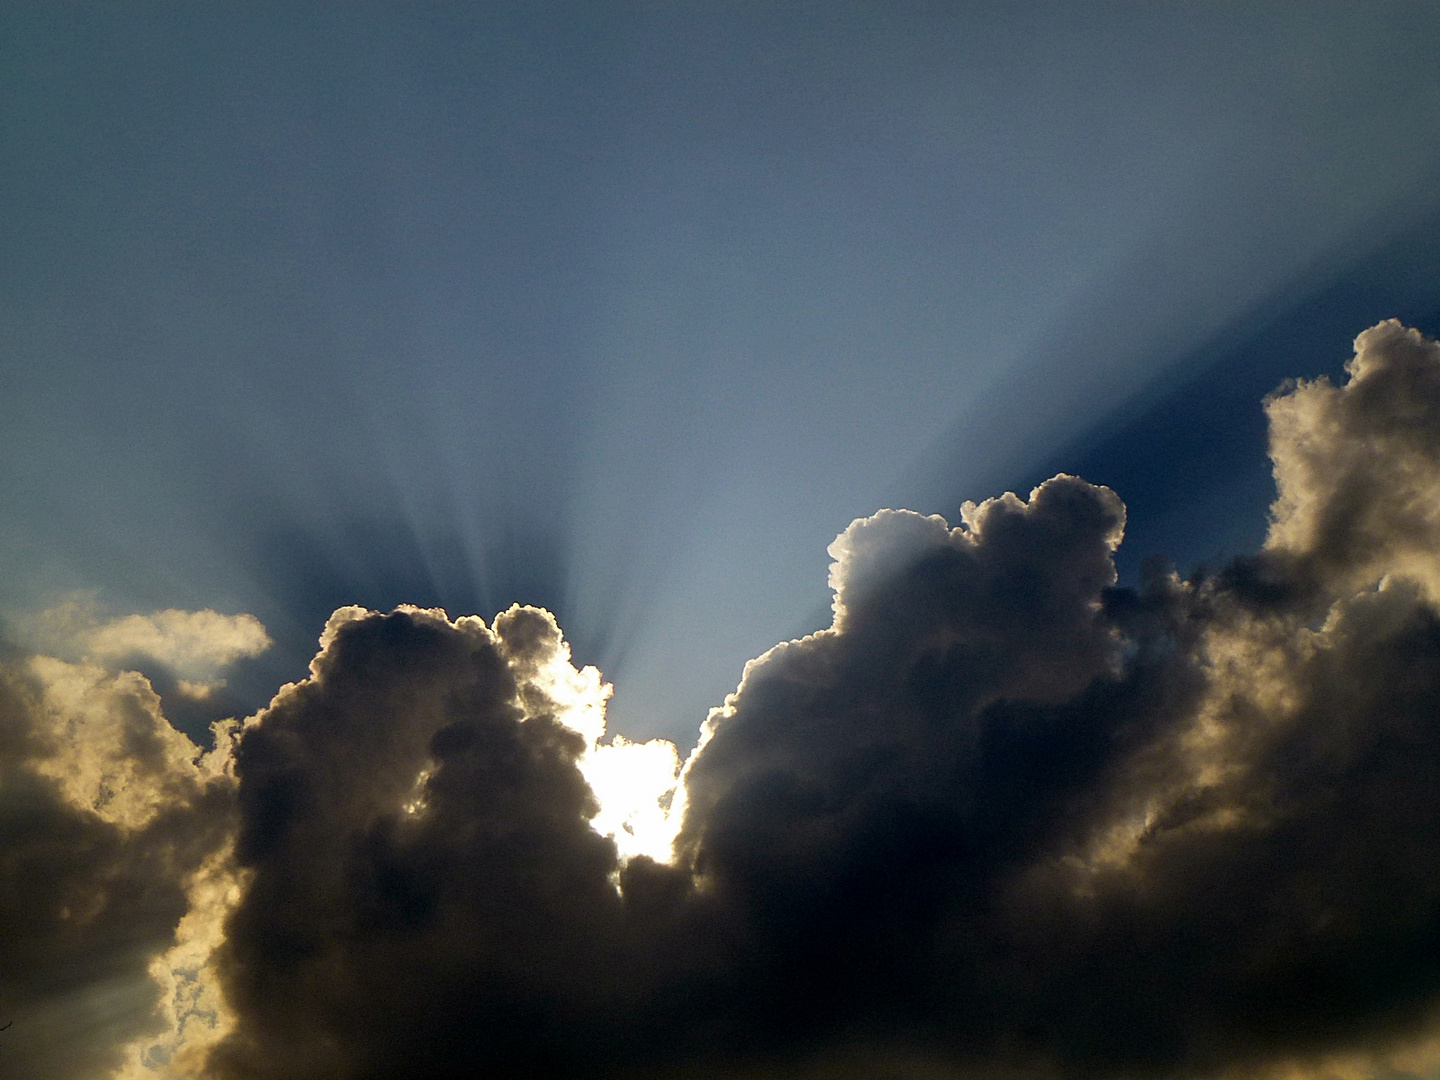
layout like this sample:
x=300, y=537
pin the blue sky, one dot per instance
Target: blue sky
x=628, y=310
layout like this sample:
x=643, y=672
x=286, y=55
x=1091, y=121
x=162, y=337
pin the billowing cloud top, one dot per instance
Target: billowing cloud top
x=1358, y=466
x=1002, y=818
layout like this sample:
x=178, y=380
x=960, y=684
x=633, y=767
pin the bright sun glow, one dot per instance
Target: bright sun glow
x=633, y=782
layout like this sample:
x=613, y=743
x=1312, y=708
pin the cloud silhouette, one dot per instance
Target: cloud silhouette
x=424, y=881
x=1001, y=818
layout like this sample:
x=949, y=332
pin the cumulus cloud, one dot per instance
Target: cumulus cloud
x=426, y=887
x=1358, y=466
x=1001, y=818
x=1007, y=815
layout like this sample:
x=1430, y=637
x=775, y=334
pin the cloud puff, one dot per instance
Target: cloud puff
x=1001, y=818
x=1358, y=466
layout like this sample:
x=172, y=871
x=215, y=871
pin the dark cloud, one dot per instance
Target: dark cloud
x=1002, y=818
x=426, y=886
x=950, y=823
x=312, y=569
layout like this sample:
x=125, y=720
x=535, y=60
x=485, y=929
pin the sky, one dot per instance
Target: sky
x=676, y=324
x=628, y=312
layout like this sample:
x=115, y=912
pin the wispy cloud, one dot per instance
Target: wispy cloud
x=194, y=646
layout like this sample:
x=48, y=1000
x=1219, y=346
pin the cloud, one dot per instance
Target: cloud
x=1003, y=813
x=1358, y=466
x=1001, y=818
x=113, y=833
x=194, y=646
x=424, y=878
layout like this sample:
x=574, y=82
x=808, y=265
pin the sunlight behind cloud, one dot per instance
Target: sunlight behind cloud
x=634, y=783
